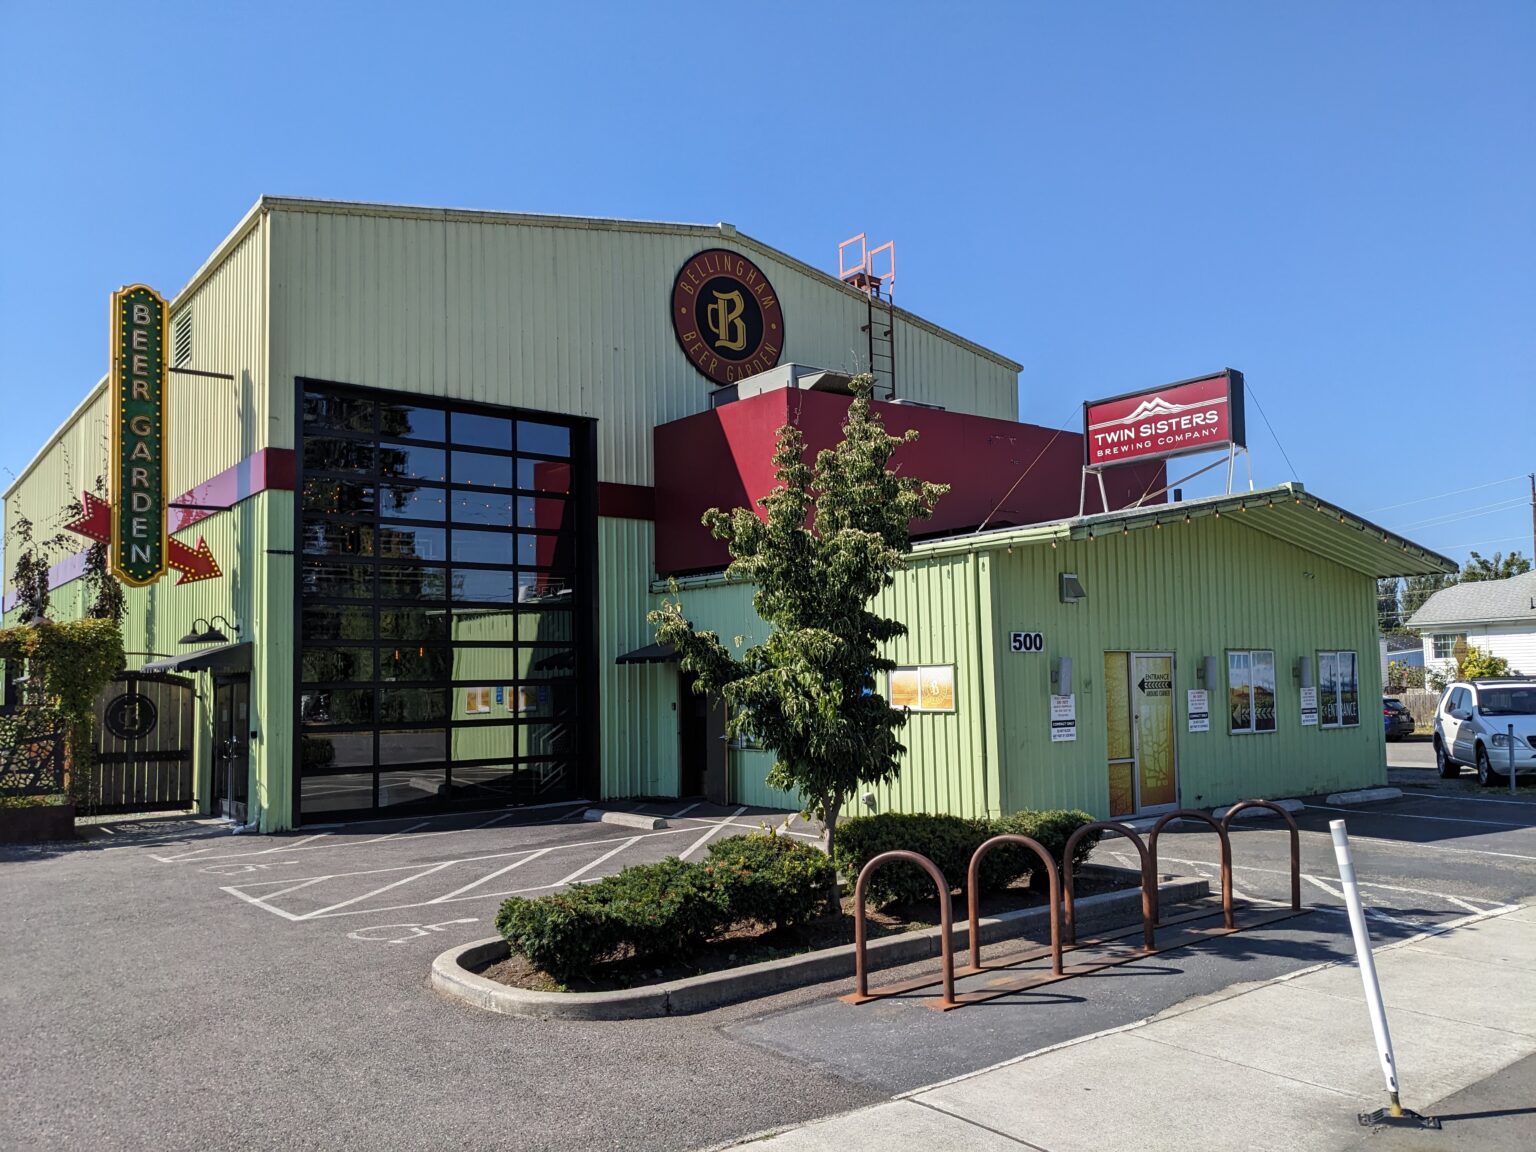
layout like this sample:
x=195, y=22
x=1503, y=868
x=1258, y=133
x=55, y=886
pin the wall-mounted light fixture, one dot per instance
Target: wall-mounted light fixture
x=208, y=634
x=1206, y=671
x=1061, y=676
x=1072, y=588
x=1302, y=671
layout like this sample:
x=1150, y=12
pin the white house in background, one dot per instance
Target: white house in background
x=1498, y=616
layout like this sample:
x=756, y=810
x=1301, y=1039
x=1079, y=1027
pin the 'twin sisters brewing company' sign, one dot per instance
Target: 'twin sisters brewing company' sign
x=139, y=544
x=1174, y=420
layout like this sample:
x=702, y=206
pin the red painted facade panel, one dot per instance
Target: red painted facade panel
x=720, y=459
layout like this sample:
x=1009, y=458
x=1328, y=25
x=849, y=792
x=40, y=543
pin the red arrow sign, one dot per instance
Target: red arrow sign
x=96, y=524
x=193, y=564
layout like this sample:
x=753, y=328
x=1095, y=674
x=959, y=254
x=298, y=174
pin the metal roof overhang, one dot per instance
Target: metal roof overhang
x=1287, y=512
x=234, y=657
x=650, y=654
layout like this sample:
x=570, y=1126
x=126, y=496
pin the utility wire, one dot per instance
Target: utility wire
x=1469, y=514
x=1271, y=428
x=1026, y=471
x=1442, y=495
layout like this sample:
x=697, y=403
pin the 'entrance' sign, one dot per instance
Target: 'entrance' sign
x=140, y=546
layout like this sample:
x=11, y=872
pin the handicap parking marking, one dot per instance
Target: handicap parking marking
x=413, y=931
x=239, y=869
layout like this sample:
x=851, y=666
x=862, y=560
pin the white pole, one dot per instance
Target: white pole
x=1367, y=961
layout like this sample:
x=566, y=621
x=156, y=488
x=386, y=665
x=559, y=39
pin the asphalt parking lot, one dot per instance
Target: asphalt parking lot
x=171, y=986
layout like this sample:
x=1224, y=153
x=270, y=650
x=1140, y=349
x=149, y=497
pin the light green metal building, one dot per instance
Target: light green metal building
x=1180, y=597
x=421, y=455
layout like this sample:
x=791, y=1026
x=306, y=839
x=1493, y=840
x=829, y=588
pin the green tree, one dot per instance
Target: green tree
x=1477, y=664
x=834, y=535
x=1417, y=589
x=1499, y=567
x=1388, y=610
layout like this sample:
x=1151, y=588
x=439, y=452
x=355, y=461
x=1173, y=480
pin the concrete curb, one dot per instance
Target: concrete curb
x=1362, y=796
x=627, y=819
x=453, y=971
x=1290, y=805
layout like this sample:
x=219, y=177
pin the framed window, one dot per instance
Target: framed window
x=1251, y=690
x=1445, y=645
x=1338, y=689
x=444, y=624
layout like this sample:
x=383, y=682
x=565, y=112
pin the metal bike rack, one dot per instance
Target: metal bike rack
x=862, y=993
x=1148, y=880
x=1226, y=824
x=1006, y=982
x=973, y=891
x=1226, y=860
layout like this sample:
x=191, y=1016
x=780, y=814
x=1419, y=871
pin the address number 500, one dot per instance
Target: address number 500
x=1026, y=642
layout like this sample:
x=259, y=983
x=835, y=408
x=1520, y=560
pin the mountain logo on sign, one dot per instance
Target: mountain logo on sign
x=1157, y=406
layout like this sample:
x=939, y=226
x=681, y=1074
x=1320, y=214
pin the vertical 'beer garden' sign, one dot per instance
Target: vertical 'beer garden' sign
x=139, y=540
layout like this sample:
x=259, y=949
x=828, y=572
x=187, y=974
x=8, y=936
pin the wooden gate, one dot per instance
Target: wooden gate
x=143, y=744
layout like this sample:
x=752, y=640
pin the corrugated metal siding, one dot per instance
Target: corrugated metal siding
x=945, y=602
x=638, y=703
x=210, y=424
x=1195, y=590
x=562, y=317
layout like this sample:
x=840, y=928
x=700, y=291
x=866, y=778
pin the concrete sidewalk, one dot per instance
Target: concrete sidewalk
x=1281, y=1065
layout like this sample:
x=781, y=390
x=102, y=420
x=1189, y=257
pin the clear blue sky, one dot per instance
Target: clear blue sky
x=1339, y=199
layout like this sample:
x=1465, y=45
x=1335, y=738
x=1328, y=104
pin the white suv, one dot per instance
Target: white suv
x=1472, y=727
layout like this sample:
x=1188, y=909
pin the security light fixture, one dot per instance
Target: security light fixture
x=1206, y=670
x=208, y=634
x=1072, y=588
x=1302, y=670
x=1061, y=676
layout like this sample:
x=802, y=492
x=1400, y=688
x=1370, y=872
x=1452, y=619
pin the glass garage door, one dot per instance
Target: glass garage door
x=444, y=619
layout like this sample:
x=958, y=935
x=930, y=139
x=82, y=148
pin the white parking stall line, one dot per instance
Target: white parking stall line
x=715, y=827
x=338, y=844
x=585, y=868
x=1377, y=913
x=265, y=907
x=492, y=875
x=376, y=891
x=1407, y=795
x=1419, y=846
x=1414, y=816
x=681, y=812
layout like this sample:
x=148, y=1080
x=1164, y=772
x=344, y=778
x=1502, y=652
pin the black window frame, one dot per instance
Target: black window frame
x=575, y=570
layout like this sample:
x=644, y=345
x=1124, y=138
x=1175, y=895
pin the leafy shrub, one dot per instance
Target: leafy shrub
x=948, y=841
x=1052, y=828
x=770, y=878
x=648, y=912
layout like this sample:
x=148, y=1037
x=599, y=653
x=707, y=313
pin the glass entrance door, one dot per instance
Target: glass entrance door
x=1152, y=696
x=1139, y=718
x=231, y=745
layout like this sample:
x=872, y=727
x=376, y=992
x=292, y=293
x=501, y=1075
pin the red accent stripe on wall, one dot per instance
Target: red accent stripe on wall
x=626, y=501
x=271, y=469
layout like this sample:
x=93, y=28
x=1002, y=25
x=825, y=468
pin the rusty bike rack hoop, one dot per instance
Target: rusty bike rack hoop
x=1226, y=859
x=973, y=885
x=946, y=926
x=1226, y=824
x=1148, y=880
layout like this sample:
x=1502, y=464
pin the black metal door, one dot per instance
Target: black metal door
x=143, y=744
x=231, y=745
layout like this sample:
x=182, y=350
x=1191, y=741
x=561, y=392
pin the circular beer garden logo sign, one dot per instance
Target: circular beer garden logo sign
x=727, y=316
x=130, y=716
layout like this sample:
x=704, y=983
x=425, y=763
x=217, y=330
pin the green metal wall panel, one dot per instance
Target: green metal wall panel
x=1195, y=590
x=637, y=702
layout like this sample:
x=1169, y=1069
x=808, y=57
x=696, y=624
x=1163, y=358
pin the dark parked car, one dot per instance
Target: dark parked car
x=1396, y=718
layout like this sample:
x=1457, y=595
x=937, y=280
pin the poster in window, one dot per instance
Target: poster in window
x=936, y=689
x=923, y=688
x=904, y=688
x=1263, y=691
x=1349, y=689
x=1239, y=692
